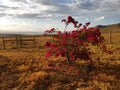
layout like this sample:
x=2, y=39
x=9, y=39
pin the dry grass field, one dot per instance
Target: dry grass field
x=28, y=69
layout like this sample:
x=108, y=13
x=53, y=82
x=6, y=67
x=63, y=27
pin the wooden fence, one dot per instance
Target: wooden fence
x=112, y=37
x=20, y=41
x=24, y=41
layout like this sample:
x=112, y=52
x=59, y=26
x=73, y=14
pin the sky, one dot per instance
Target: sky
x=40, y=15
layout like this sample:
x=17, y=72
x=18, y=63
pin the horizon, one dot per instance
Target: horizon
x=40, y=15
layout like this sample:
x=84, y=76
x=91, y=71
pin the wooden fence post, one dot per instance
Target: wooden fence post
x=3, y=43
x=34, y=40
x=109, y=37
x=17, y=42
x=20, y=41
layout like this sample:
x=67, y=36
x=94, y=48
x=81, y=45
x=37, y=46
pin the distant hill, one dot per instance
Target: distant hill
x=113, y=27
x=101, y=26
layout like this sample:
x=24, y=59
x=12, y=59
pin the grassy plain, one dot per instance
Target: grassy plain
x=28, y=69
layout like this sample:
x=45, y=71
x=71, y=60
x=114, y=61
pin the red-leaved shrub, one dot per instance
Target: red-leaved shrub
x=75, y=44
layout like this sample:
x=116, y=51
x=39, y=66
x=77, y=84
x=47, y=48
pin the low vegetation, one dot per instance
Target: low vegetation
x=28, y=69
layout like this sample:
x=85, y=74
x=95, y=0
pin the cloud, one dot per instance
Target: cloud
x=4, y=10
x=7, y=7
x=32, y=9
x=46, y=2
x=2, y=14
x=99, y=19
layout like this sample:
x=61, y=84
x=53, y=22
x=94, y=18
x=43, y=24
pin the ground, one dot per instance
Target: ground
x=28, y=69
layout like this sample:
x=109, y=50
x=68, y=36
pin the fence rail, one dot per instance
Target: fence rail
x=22, y=41
x=18, y=40
x=112, y=37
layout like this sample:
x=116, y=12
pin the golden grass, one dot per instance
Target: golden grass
x=28, y=69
